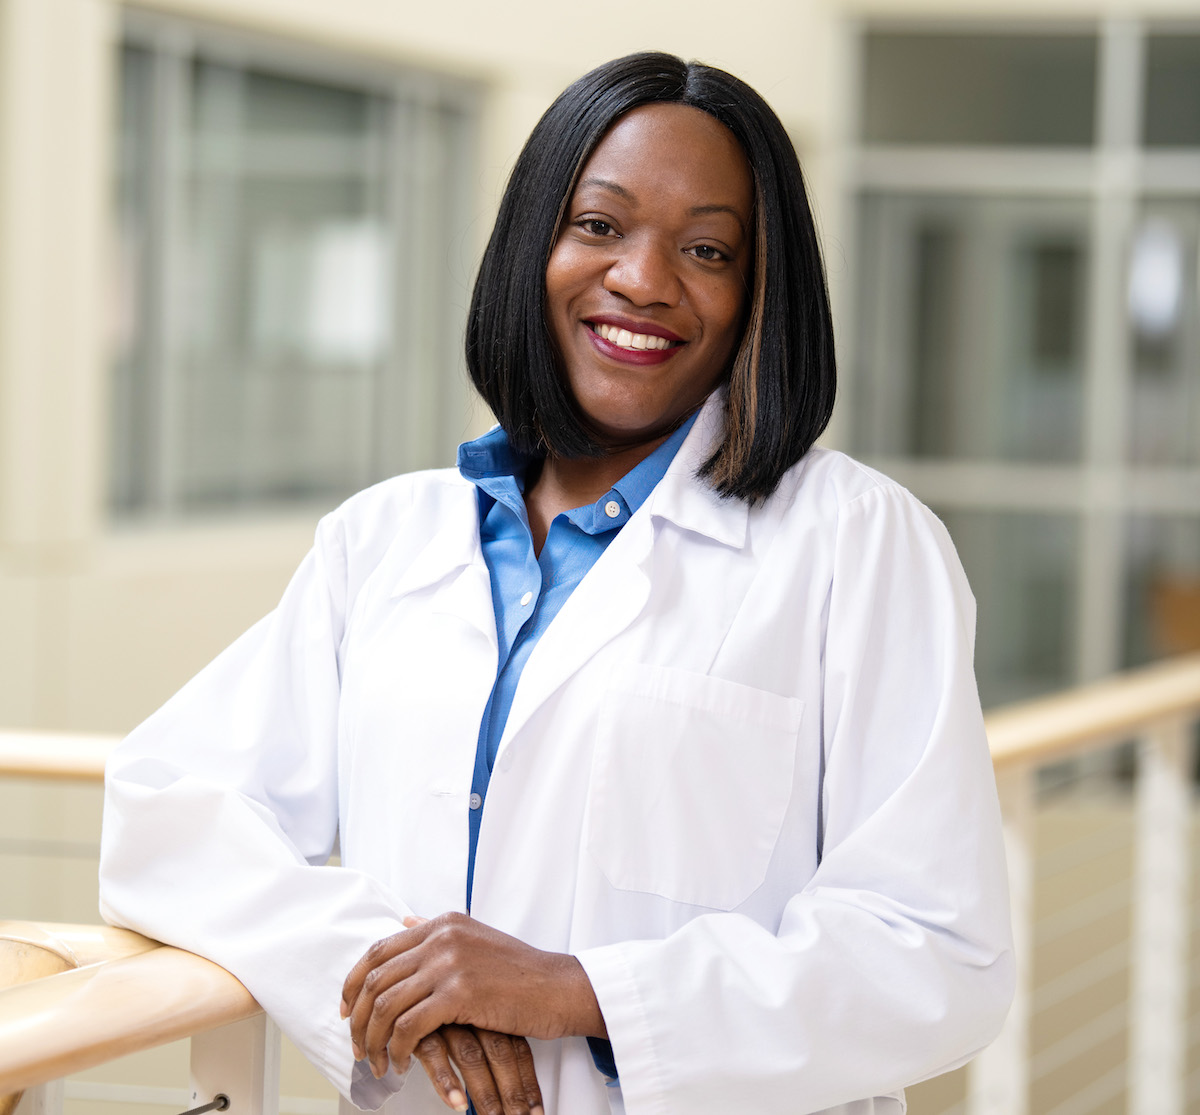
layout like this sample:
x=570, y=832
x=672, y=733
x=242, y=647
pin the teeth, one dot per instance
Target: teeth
x=623, y=338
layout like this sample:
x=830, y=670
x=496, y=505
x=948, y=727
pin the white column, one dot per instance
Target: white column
x=240, y=1061
x=57, y=66
x=45, y=1099
x=998, y=1080
x=1158, y=1001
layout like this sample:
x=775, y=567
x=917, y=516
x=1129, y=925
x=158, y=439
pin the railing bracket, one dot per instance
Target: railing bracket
x=220, y=1103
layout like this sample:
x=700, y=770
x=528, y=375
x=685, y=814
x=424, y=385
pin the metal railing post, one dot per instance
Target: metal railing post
x=998, y=1079
x=240, y=1060
x=1158, y=997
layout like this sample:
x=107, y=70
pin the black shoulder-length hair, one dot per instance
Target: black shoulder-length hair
x=782, y=379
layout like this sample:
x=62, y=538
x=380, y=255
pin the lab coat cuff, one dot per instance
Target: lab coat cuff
x=371, y=1094
x=358, y=1085
x=610, y=970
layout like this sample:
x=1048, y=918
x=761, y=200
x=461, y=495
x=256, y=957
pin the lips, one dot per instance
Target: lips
x=632, y=342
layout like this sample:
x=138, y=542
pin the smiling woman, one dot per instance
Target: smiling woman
x=649, y=734
x=647, y=284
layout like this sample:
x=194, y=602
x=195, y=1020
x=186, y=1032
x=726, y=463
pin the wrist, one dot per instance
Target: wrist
x=581, y=1009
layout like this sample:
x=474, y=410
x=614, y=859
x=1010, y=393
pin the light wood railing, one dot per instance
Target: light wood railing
x=1157, y=708
x=123, y=993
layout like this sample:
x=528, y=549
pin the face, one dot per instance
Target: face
x=647, y=283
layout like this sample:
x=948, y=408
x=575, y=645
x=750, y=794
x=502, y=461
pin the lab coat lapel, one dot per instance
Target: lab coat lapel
x=616, y=589
x=451, y=565
x=608, y=599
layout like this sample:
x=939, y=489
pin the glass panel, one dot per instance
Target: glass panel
x=1084, y=885
x=276, y=104
x=131, y=287
x=935, y=88
x=287, y=292
x=1164, y=314
x=284, y=356
x=1162, y=588
x=972, y=328
x=1022, y=569
x=1172, y=105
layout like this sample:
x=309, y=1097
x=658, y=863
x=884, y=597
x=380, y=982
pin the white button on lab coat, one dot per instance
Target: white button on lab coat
x=751, y=793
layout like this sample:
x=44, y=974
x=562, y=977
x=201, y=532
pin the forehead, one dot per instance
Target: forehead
x=676, y=151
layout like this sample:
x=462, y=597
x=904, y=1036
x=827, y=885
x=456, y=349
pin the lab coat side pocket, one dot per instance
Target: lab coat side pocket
x=691, y=780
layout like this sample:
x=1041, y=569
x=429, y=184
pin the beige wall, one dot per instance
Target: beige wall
x=98, y=624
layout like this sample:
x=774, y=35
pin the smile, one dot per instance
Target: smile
x=623, y=338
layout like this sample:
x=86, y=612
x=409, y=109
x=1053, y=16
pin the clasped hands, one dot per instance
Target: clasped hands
x=454, y=992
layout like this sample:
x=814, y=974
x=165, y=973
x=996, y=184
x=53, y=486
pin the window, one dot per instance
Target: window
x=291, y=273
x=962, y=88
x=1026, y=348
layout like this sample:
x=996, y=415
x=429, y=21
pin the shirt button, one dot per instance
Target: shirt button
x=476, y=801
x=612, y=509
x=525, y=599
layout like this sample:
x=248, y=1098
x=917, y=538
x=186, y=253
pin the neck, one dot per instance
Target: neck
x=563, y=483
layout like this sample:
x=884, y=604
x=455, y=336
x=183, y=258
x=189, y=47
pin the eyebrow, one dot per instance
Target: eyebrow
x=694, y=211
x=606, y=184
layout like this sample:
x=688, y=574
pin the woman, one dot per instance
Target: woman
x=731, y=844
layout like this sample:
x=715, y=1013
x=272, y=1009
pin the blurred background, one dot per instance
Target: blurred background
x=237, y=239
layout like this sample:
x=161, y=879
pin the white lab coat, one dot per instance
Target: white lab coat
x=744, y=780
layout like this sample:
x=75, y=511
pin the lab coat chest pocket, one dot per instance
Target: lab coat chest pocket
x=691, y=780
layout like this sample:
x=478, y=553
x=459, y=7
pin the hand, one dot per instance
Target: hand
x=497, y=1070
x=455, y=970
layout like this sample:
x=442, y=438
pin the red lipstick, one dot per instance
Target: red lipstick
x=639, y=356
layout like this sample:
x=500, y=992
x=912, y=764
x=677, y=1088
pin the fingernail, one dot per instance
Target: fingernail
x=376, y=1071
x=344, y=1007
x=358, y=1053
x=536, y=1111
x=457, y=1100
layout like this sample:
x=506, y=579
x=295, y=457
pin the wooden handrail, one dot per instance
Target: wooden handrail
x=55, y=755
x=131, y=994
x=1105, y=712
x=1029, y=731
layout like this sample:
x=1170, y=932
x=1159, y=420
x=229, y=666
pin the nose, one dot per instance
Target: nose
x=645, y=271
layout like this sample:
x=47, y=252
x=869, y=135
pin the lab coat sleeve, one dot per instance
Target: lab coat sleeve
x=221, y=812
x=893, y=962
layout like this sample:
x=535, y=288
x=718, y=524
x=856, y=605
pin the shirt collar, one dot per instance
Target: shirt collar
x=498, y=471
x=492, y=456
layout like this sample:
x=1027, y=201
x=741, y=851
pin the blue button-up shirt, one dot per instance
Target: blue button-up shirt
x=528, y=591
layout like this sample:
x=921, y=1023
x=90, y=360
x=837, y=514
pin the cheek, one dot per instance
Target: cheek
x=562, y=274
x=557, y=298
x=728, y=316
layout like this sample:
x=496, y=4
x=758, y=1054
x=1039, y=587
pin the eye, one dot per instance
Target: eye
x=708, y=253
x=594, y=226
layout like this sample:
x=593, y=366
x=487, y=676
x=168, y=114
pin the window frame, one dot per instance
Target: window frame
x=436, y=399
x=1104, y=489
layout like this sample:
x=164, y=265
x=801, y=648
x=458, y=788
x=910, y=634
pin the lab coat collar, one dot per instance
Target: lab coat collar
x=452, y=560
x=691, y=503
x=454, y=542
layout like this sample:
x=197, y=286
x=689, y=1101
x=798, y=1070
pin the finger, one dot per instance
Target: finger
x=533, y=1091
x=434, y=1056
x=388, y=991
x=475, y=1069
x=379, y=953
x=506, y=1070
x=408, y=1031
